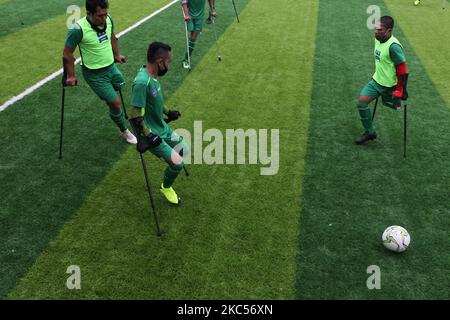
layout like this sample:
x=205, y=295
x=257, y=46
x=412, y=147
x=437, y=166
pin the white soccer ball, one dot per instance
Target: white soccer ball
x=396, y=238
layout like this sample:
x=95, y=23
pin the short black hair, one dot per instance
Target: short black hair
x=387, y=21
x=157, y=50
x=92, y=5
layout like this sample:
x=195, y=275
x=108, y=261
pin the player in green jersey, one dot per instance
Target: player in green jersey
x=99, y=49
x=194, y=15
x=147, y=118
x=388, y=80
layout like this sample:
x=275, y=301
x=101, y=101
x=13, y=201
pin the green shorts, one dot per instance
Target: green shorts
x=105, y=82
x=374, y=90
x=173, y=142
x=195, y=25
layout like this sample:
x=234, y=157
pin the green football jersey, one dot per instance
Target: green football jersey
x=196, y=8
x=386, y=60
x=95, y=45
x=147, y=93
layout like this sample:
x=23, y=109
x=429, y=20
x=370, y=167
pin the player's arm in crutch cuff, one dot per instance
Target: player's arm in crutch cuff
x=397, y=56
x=116, y=51
x=146, y=139
x=401, y=71
x=69, y=78
x=185, y=6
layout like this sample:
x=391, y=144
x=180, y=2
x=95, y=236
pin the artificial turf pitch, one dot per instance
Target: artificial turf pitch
x=308, y=232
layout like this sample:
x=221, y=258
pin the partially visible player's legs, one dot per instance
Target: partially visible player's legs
x=118, y=82
x=116, y=109
x=209, y=19
x=177, y=143
x=416, y=2
x=179, y=150
x=115, y=83
x=118, y=117
x=389, y=101
x=368, y=94
x=195, y=27
x=192, y=42
x=104, y=83
x=170, y=151
x=365, y=113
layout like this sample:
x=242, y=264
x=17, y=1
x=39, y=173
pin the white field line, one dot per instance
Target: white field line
x=55, y=74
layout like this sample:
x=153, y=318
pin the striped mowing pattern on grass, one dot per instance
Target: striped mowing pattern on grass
x=58, y=73
x=42, y=192
x=235, y=234
x=352, y=193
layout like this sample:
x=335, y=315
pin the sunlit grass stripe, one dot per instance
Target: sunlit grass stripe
x=41, y=83
x=36, y=60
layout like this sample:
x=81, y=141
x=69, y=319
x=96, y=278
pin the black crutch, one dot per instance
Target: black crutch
x=405, y=112
x=62, y=120
x=219, y=57
x=405, y=119
x=136, y=131
x=375, y=109
x=123, y=104
x=149, y=190
x=63, y=85
x=235, y=11
x=404, y=131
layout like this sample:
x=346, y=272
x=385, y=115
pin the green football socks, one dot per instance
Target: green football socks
x=119, y=118
x=170, y=174
x=191, y=48
x=366, y=116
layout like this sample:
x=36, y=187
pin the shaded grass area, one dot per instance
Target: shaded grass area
x=35, y=52
x=352, y=193
x=41, y=193
x=235, y=233
x=19, y=14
